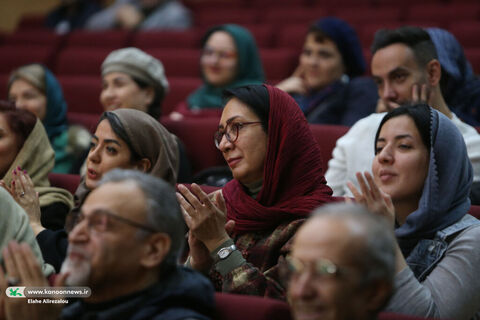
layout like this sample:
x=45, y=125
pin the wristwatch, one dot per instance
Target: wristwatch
x=223, y=253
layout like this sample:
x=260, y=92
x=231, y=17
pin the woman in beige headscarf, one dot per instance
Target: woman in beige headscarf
x=124, y=138
x=25, y=148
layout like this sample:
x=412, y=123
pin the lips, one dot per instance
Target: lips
x=232, y=162
x=92, y=174
x=386, y=175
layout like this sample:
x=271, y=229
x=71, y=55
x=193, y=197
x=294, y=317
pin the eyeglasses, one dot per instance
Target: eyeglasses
x=321, y=268
x=98, y=221
x=219, y=54
x=231, y=132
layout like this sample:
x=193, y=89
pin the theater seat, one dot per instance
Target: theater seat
x=241, y=307
x=278, y=63
x=69, y=182
x=166, y=39
x=98, y=39
x=327, y=136
x=197, y=135
x=178, y=62
x=82, y=93
x=475, y=211
x=14, y=56
x=473, y=55
x=180, y=88
x=81, y=61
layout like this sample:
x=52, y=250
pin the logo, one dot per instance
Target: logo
x=15, y=292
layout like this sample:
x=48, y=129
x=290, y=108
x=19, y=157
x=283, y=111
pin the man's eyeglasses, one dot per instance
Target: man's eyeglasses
x=99, y=221
x=230, y=132
x=321, y=268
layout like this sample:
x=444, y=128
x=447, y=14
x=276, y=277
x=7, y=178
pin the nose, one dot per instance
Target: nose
x=107, y=95
x=20, y=103
x=385, y=155
x=224, y=144
x=79, y=233
x=94, y=155
x=388, y=92
x=301, y=286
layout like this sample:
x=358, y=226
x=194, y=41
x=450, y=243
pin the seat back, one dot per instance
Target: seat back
x=241, y=307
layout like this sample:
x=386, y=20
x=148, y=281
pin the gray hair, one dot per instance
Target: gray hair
x=163, y=211
x=376, y=260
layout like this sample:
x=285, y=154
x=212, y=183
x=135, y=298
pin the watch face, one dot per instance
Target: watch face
x=223, y=253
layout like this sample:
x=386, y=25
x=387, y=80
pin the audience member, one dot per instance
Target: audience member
x=405, y=67
x=124, y=138
x=142, y=15
x=25, y=149
x=229, y=59
x=278, y=181
x=327, y=84
x=71, y=14
x=342, y=265
x=133, y=79
x=421, y=183
x=35, y=88
x=460, y=86
x=134, y=213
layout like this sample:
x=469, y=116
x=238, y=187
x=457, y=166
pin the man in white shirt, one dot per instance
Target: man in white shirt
x=406, y=69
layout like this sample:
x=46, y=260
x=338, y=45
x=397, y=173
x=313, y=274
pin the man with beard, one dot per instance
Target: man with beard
x=125, y=246
x=342, y=265
x=406, y=69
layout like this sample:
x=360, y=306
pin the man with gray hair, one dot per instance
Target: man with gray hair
x=342, y=265
x=125, y=246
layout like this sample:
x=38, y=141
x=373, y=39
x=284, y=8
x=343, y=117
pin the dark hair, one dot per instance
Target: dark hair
x=155, y=107
x=415, y=38
x=420, y=113
x=317, y=33
x=120, y=131
x=255, y=97
x=20, y=121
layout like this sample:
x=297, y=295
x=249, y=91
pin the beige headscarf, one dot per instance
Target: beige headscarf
x=15, y=226
x=150, y=140
x=38, y=158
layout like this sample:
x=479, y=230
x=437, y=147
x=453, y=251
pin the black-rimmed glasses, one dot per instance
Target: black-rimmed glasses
x=230, y=132
x=98, y=221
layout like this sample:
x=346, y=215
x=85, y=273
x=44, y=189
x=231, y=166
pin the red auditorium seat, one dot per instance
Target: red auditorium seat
x=34, y=37
x=475, y=211
x=358, y=15
x=263, y=34
x=166, y=39
x=69, y=182
x=82, y=93
x=278, y=63
x=327, y=136
x=209, y=17
x=197, y=135
x=31, y=22
x=473, y=55
x=467, y=33
x=239, y=307
x=198, y=5
x=81, y=61
x=292, y=36
x=180, y=88
x=12, y=57
x=178, y=62
x=443, y=13
x=284, y=15
x=98, y=39
x=3, y=86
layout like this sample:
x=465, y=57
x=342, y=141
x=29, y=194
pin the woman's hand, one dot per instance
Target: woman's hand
x=205, y=218
x=23, y=191
x=373, y=197
x=295, y=83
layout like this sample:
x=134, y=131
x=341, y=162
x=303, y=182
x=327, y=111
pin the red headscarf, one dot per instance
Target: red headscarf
x=293, y=178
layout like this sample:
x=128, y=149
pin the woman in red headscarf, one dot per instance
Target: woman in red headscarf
x=278, y=180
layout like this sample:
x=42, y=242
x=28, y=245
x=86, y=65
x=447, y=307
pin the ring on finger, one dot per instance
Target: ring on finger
x=12, y=281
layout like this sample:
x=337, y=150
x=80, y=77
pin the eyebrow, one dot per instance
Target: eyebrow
x=220, y=126
x=398, y=69
x=399, y=137
x=108, y=140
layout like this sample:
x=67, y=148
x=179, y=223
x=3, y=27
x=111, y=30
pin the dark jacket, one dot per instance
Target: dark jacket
x=341, y=103
x=181, y=294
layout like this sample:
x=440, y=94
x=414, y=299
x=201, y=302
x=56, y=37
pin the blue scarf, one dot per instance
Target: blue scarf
x=55, y=121
x=445, y=197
